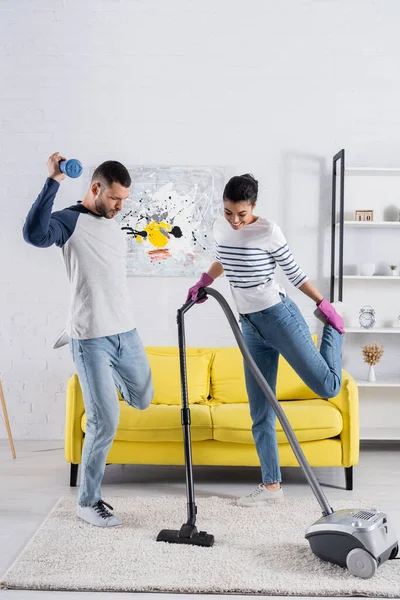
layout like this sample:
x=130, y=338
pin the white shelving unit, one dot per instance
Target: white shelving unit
x=370, y=224
x=372, y=171
x=377, y=189
x=370, y=277
x=392, y=383
x=373, y=330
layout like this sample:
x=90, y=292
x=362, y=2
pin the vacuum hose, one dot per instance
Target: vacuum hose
x=263, y=384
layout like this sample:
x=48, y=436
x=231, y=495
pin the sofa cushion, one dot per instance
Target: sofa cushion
x=228, y=382
x=289, y=386
x=165, y=369
x=227, y=376
x=310, y=419
x=160, y=424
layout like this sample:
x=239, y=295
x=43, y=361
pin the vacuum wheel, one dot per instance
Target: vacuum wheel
x=361, y=564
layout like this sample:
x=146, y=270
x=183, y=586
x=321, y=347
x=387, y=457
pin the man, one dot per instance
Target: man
x=104, y=342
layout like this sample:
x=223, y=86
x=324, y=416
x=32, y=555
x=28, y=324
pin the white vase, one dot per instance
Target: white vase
x=371, y=374
x=367, y=269
x=395, y=272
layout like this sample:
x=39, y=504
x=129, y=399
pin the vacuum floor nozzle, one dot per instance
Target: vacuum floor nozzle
x=188, y=534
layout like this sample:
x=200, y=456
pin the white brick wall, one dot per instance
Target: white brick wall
x=274, y=88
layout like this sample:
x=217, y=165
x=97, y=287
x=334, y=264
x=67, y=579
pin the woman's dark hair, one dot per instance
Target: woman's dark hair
x=242, y=188
x=111, y=172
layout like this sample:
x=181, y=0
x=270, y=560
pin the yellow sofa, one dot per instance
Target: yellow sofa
x=328, y=430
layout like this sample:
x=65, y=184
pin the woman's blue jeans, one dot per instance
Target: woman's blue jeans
x=281, y=329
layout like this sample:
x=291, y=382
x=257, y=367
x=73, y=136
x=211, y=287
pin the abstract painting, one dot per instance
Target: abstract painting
x=168, y=219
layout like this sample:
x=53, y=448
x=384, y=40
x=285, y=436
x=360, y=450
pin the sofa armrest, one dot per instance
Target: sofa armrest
x=347, y=402
x=73, y=434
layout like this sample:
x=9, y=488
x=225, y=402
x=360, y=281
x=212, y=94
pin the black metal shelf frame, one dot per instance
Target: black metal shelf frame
x=338, y=158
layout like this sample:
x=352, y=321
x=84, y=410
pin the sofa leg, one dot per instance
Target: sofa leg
x=348, y=471
x=73, y=475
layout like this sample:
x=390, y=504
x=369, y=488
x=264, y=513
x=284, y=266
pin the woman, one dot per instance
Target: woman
x=248, y=249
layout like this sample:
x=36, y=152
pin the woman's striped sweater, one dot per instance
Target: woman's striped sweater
x=249, y=257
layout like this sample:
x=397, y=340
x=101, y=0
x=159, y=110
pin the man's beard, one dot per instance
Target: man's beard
x=101, y=208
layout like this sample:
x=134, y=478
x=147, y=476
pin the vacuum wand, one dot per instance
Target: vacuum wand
x=188, y=533
x=298, y=452
x=185, y=412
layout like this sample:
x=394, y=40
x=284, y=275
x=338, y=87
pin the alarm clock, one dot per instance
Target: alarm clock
x=367, y=317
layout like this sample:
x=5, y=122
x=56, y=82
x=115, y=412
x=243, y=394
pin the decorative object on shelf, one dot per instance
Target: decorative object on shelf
x=394, y=270
x=364, y=215
x=367, y=317
x=396, y=323
x=372, y=355
x=367, y=269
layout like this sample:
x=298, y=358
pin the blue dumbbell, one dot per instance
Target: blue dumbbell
x=72, y=167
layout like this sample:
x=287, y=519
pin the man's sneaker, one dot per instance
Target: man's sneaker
x=99, y=515
x=261, y=497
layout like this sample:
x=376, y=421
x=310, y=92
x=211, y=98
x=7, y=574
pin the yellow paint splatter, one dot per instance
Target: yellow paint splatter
x=154, y=234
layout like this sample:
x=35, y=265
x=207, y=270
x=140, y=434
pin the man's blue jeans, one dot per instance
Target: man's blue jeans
x=104, y=364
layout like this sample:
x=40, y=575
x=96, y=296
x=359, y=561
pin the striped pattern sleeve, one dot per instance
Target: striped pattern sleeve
x=283, y=256
x=214, y=253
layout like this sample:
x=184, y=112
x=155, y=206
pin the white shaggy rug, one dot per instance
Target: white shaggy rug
x=256, y=551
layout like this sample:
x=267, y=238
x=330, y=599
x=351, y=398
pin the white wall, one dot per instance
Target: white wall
x=274, y=88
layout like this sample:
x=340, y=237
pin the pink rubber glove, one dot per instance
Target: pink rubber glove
x=330, y=315
x=204, y=281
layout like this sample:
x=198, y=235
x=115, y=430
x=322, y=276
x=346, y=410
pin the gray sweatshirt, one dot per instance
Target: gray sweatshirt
x=94, y=251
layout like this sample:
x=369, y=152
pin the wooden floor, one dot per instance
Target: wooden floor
x=31, y=484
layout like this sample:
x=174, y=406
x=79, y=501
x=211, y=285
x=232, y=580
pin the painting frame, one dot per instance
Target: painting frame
x=168, y=219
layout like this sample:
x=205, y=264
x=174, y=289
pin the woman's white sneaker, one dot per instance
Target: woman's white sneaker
x=99, y=515
x=261, y=497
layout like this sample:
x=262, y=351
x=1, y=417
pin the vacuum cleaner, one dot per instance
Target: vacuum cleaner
x=361, y=540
